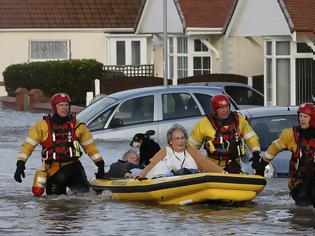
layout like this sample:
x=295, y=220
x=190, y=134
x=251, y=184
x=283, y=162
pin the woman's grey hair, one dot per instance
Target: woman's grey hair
x=127, y=153
x=174, y=128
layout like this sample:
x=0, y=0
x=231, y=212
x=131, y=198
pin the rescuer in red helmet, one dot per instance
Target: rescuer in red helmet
x=61, y=136
x=300, y=140
x=224, y=134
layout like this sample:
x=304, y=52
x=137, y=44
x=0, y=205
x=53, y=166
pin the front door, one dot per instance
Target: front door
x=305, y=80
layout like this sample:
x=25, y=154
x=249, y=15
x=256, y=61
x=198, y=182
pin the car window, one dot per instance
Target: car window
x=204, y=100
x=244, y=95
x=268, y=129
x=100, y=121
x=136, y=110
x=94, y=109
x=179, y=105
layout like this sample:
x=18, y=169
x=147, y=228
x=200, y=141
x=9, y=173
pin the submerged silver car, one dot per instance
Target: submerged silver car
x=268, y=122
x=121, y=115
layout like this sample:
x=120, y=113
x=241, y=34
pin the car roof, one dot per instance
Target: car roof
x=169, y=88
x=269, y=111
x=224, y=84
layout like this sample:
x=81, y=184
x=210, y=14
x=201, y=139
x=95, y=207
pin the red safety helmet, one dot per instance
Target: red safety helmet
x=58, y=98
x=309, y=109
x=219, y=101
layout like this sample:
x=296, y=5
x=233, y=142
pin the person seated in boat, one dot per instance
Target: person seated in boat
x=177, y=156
x=128, y=166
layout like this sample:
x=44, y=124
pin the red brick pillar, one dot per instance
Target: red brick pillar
x=36, y=96
x=22, y=99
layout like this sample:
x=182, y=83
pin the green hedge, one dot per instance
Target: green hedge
x=74, y=77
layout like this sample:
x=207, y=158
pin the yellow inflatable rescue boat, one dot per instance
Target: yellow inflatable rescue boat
x=183, y=189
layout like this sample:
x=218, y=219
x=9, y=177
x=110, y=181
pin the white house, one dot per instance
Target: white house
x=287, y=28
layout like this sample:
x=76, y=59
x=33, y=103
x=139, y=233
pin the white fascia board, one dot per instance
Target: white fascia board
x=141, y=19
x=106, y=30
x=127, y=35
x=199, y=31
x=234, y=21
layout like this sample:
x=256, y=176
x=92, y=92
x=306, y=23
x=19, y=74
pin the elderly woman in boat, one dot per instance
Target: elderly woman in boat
x=178, y=158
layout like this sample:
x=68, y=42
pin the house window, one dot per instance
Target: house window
x=199, y=46
x=49, y=50
x=202, y=66
x=201, y=59
x=278, y=79
x=127, y=51
x=135, y=52
x=190, y=56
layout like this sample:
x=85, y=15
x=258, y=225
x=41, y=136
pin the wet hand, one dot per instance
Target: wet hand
x=19, y=172
x=258, y=163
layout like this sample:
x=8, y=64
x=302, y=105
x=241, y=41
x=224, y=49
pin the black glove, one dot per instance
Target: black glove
x=100, y=171
x=258, y=163
x=19, y=172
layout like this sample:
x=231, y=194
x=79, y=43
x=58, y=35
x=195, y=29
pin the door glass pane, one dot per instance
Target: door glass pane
x=135, y=52
x=136, y=110
x=181, y=45
x=282, y=48
x=283, y=82
x=182, y=65
x=269, y=81
x=121, y=52
x=171, y=66
x=179, y=105
x=171, y=45
x=269, y=48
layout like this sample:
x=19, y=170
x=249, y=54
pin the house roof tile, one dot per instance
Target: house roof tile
x=302, y=15
x=205, y=13
x=69, y=13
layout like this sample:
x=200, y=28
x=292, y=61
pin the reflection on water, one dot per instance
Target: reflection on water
x=271, y=213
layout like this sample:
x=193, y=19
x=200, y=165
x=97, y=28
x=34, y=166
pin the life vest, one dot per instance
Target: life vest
x=303, y=159
x=228, y=142
x=62, y=143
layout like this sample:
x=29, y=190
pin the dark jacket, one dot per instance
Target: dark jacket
x=119, y=169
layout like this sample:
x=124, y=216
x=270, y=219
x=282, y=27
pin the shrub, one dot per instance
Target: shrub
x=74, y=77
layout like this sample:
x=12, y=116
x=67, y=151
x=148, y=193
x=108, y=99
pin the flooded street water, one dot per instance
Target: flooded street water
x=271, y=213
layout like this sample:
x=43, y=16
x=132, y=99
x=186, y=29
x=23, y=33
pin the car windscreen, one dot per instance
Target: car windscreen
x=244, y=96
x=95, y=108
x=269, y=128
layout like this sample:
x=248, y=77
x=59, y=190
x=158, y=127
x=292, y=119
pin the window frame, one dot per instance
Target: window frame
x=190, y=55
x=68, y=53
x=112, y=49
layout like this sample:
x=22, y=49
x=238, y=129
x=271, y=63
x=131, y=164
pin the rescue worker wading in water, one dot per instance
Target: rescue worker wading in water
x=224, y=134
x=60, y=136
x=300, y=140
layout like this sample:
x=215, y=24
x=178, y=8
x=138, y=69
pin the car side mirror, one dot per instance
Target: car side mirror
x=115, y=123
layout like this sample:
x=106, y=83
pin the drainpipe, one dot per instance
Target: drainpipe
x=165, y=59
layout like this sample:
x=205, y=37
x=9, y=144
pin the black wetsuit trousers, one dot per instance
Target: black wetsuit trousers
x=72, y=176
x=304, y=194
